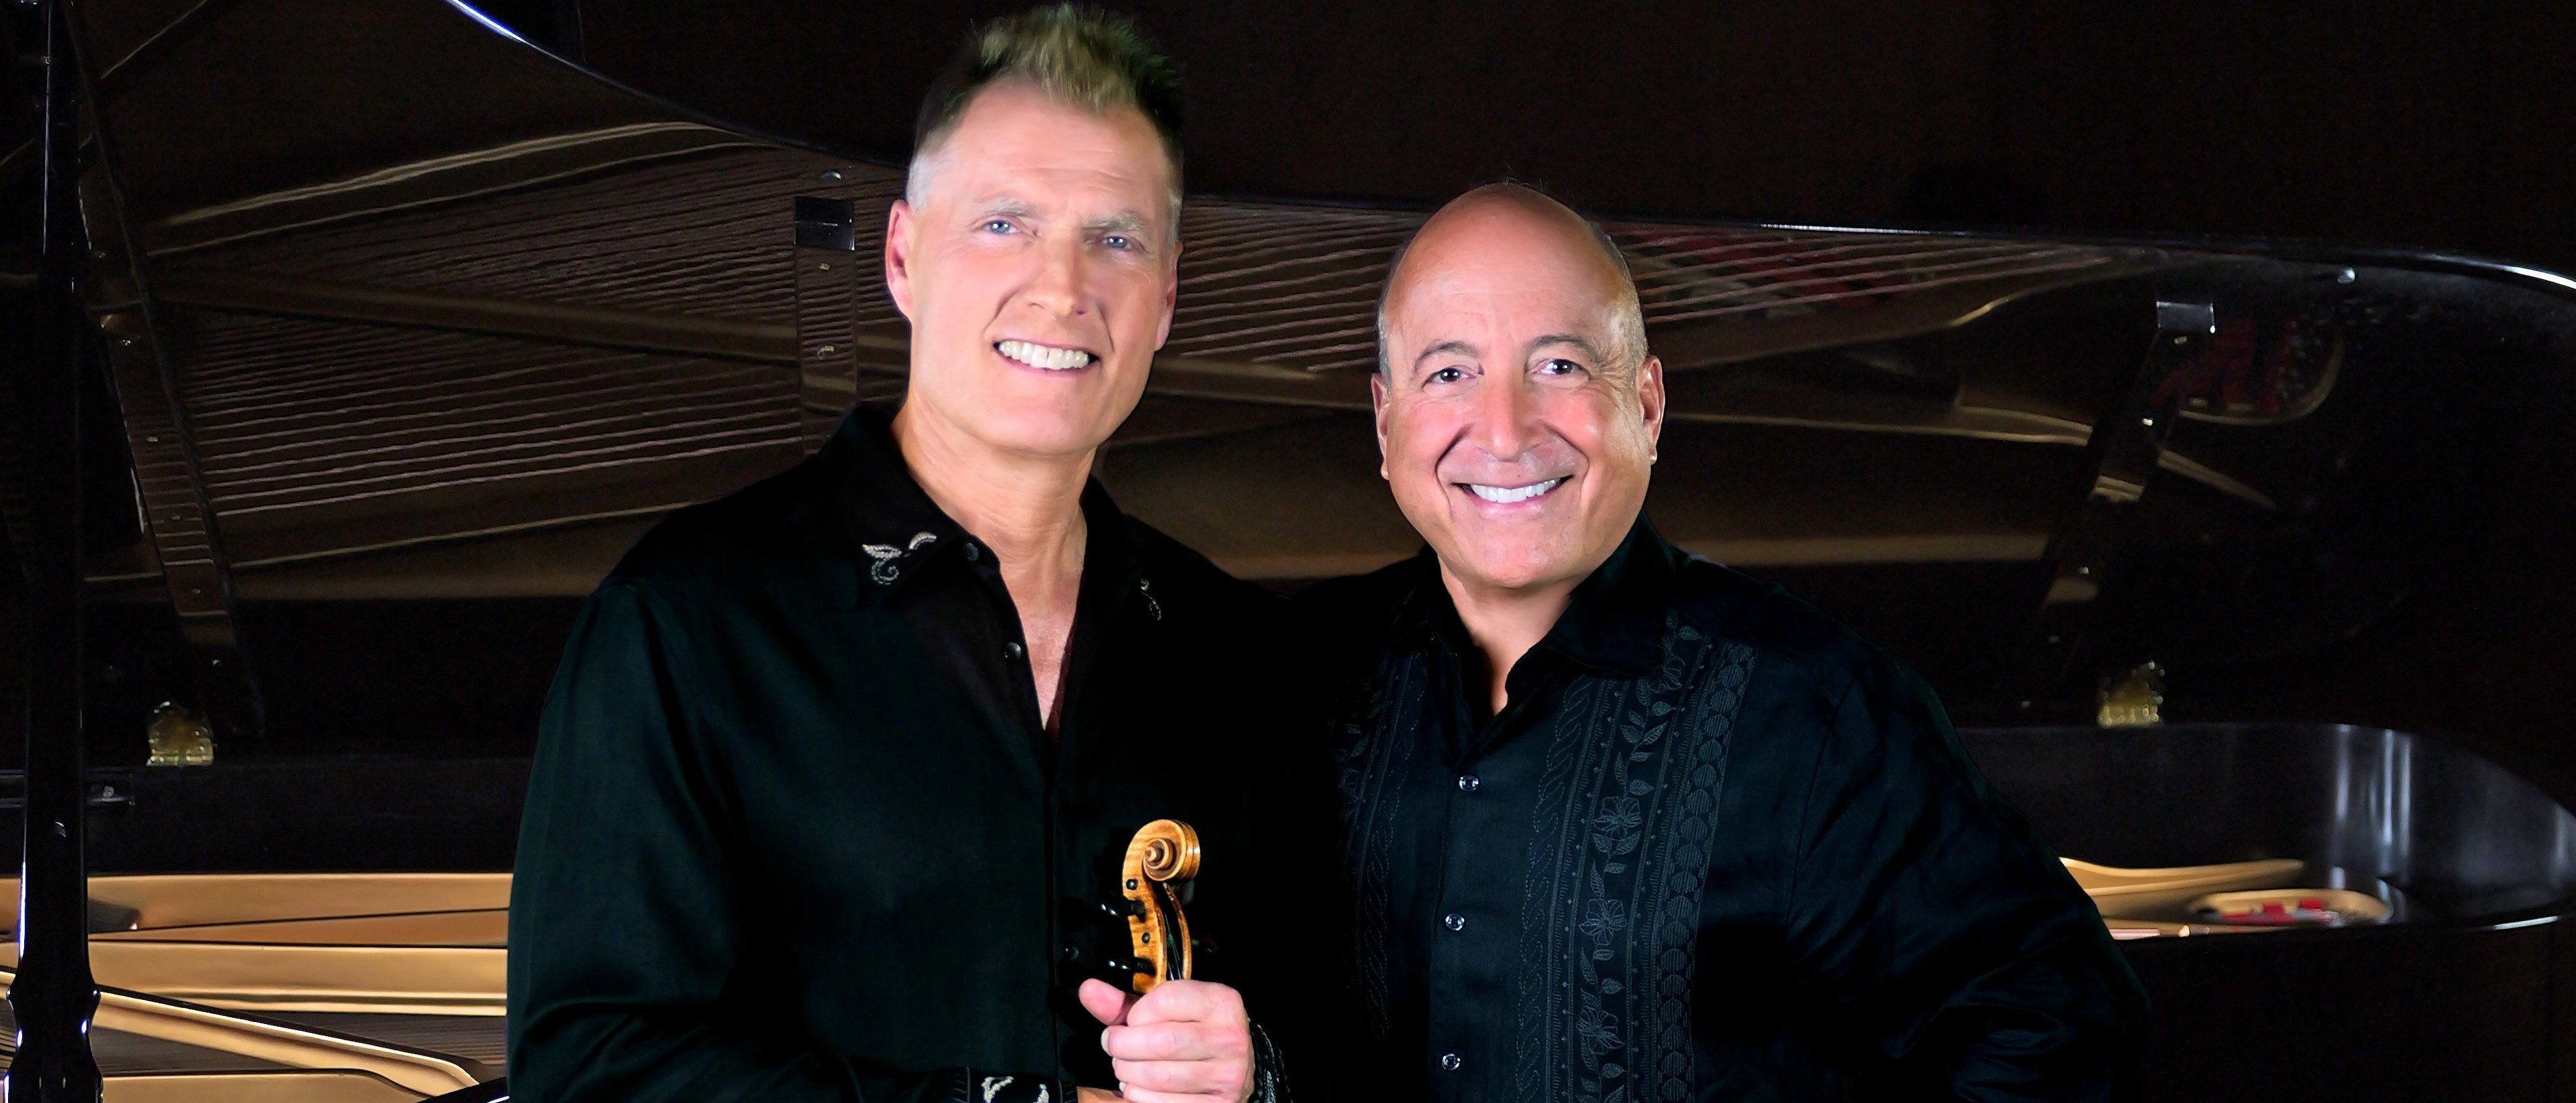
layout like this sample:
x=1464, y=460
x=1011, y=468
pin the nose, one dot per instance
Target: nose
x=1506, y=415
x=1056, y=287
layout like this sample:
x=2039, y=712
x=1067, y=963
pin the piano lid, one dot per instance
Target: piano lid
x=405, y=308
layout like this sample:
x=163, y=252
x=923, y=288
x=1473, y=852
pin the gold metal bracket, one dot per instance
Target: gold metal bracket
x=178, y=738
x=2134, y=699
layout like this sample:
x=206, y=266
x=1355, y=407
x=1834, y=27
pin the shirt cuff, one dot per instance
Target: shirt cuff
x=1269, y=1069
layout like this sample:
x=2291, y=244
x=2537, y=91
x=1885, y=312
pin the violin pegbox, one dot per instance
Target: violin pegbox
x=1155, y=879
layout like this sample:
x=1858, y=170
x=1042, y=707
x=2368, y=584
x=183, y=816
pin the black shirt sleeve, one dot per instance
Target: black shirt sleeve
x=1931, y=920
x=624, y=924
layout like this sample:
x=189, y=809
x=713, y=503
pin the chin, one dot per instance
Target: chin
x=1043, y=438
x=1050, y=429
x=1513, y=568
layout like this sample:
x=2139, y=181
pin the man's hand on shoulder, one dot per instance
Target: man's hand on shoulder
x=1186, y=1041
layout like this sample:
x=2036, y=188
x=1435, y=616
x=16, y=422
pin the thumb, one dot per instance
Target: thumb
x=1105, y=1002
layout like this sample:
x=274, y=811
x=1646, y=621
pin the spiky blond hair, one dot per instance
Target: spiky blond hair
x=1079, y=56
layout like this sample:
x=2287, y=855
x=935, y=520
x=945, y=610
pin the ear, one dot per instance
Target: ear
x=1171, y=294
x=898, y=256
x=1650, y=398
x=1377, y=409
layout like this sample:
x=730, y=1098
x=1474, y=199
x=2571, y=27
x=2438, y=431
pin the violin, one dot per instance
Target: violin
x=1155, y=879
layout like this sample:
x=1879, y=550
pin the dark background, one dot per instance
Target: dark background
x=2448, y=125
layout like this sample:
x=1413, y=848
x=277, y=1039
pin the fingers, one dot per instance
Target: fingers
x=1105, y=1002
x=1185, y=1001
x=1183, y=1041
x=1177, y=1042
x=1181, y=1020
x=1149, y=1095
x=1195, y=1081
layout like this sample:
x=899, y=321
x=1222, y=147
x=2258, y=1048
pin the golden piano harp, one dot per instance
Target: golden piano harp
x=1155, y=879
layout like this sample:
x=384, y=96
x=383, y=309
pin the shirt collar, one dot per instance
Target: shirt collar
x=1614, y=621
x=892, y=528
x=1616, y=618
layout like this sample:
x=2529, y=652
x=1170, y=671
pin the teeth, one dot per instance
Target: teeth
x=1043, y=356
x=1508, y=494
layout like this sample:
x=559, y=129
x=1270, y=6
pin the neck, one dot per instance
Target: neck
x=1028, y=508
x=1504, y=623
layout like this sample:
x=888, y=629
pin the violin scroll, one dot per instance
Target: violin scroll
x=1161, y=860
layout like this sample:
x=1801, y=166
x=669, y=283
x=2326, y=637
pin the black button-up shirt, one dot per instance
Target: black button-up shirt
x=1713, y=847
x=948, y=586
x=795, y=832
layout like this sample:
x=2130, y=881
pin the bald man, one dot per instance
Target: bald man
x=1625, y=824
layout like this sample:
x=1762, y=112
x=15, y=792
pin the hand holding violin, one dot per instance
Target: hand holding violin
x=1187, y=1041
x=1183, y=1040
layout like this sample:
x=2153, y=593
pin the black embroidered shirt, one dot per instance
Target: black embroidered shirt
x=1714, y=847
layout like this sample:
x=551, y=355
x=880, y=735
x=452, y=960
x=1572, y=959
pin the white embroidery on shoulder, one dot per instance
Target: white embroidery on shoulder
x=889, y=558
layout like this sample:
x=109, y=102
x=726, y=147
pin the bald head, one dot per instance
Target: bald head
x=1511, y=217
x=1517, y=406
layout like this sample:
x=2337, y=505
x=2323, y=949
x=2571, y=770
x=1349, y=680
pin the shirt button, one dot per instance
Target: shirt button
x=973, y=553
x=1455, y=921
x=1013, y=651
x=1450, y=1062
x=1467, y=783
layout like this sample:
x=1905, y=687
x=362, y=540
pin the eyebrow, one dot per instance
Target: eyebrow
x=1124, y=222
x=1462, y=348
x=1579, y=341
x=1009, y=205
x=1130, y=223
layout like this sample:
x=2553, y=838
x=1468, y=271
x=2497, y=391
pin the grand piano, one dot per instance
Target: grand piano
x=2243, y=566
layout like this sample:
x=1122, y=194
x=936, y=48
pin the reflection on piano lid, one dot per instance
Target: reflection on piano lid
x=2146, y=893
x=2439, y=835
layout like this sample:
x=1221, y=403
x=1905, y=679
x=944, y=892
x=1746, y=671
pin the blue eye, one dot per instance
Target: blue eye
x=998, y=226
x=1118, y=241
x=1447, y=375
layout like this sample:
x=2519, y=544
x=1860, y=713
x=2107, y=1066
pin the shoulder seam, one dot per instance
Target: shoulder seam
x=672, y=639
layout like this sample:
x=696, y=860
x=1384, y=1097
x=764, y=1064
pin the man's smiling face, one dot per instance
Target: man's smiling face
x=1517, y=425
x=1038, y=271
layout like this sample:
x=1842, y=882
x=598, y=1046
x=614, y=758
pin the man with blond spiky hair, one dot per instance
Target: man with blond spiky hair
x=834, y=782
